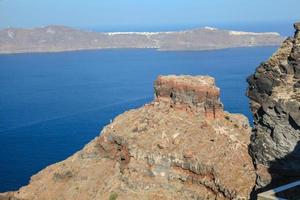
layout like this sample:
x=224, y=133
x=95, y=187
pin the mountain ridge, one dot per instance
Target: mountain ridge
x=56, y=38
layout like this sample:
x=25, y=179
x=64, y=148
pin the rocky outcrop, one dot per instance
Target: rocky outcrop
x=274, y=92
x=180, y=146
x=195, y=93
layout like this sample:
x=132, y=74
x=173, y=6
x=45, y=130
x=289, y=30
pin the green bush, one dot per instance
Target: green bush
x=113, y=196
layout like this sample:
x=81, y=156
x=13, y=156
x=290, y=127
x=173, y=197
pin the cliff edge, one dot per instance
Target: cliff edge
x=274, y=92
x=183, y=145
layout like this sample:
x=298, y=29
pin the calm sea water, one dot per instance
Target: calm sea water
x=51, y=104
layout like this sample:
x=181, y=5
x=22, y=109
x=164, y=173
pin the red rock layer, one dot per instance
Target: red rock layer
x=197, y=93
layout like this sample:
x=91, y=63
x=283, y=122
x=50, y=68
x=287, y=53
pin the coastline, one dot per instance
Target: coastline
x=134, y=48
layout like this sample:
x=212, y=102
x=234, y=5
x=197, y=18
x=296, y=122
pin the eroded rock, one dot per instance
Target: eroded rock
x=275, y=101
x=199, y=93
x=180, y=146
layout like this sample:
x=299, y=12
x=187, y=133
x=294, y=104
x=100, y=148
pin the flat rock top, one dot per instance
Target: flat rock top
x=197, y=93
x=189, y=80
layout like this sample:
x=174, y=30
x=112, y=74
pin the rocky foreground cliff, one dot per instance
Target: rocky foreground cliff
x=183, y=145
x=61, y=38
x=274, y=92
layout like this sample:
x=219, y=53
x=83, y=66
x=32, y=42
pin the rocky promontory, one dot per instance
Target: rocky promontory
x=274, y=92
x=183, y=145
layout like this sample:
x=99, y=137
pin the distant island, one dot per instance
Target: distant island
x=61, y=38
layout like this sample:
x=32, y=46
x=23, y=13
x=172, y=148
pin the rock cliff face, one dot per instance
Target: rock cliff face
x=274, y=91
x=194, y=93
x=180, y=146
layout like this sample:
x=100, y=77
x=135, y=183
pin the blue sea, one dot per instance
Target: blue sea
x=52, y=104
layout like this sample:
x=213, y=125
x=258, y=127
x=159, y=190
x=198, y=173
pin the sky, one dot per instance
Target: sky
x=111, y=14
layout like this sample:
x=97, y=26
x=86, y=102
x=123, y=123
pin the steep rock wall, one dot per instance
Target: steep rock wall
x=274, y=92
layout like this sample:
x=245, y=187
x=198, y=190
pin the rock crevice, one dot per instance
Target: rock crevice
x=274, y=94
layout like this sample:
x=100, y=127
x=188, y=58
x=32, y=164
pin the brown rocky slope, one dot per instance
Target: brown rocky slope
x=180, y=146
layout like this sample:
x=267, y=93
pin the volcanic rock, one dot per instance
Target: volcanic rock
x=197, y=92
x=297, y=26
x=274, y=92
x=187, y=148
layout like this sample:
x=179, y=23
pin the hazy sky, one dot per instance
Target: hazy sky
x=113, y=13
